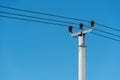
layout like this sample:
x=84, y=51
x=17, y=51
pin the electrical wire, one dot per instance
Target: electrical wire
x=106, y=37
x=57, y=21
x=38, y=17
x=33, y=20
x=41, y=13
x=55, y=24
x=59, y=17
x=104, y=31
x=118, y=30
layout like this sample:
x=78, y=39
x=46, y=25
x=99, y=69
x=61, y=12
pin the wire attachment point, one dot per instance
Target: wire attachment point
x=92, y=23
x=81, y=26
x=70, y=29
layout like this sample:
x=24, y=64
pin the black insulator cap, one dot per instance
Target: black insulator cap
x=92, y=23
x=81, y=26
x=70, y=29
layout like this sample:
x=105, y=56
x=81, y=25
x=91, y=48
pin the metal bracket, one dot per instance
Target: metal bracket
x=75, y=34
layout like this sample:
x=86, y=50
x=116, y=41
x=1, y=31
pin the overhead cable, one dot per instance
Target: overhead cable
x=37, y=17
x=106, y=37
x=55, y=24
x=41, y=13
x=33, y=20
x=59, y=17
x=104, y=31
x=56, y=21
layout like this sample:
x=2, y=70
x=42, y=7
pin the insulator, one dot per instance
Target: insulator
x=92, y=23
x=70, y=29
x=81, y=26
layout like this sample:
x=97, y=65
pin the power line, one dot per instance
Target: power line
x=106, y=37
x=59, y=17
x=108, y=27
x=55, y=24
x=38, y=18
x=41, y=13
x=34, y=20
x=57, y=21
x=104, y=31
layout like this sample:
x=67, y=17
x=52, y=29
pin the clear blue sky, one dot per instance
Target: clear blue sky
x=36, y=51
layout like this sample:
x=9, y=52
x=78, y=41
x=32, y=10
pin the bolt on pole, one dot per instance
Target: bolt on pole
x=81, y=49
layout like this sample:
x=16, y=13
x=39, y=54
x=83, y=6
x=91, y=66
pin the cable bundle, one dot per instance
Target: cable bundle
x=57, y=22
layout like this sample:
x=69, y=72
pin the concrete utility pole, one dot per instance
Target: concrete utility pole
x=81, y=49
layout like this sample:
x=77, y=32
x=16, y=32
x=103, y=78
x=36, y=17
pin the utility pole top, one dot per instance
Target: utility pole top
x=81, y=48
x=75, y=34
